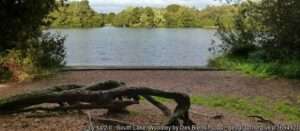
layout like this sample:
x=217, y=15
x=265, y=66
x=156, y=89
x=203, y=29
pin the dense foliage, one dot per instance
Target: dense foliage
x=20, y=21
x=24, y=48
x=211, y=15
x=265, y=31
x=80, y=14
x=173, y=16
x=75, y=14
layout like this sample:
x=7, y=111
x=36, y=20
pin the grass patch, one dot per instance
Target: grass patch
x=251, y=106
x=291, y=111
x=242, y=106
x=248, y=106
x=259, y=68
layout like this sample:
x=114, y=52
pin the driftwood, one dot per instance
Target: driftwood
x=111, y=95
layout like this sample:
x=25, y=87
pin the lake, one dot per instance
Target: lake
x=110, y=46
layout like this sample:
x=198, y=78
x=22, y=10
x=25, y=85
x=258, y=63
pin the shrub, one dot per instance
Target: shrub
x=50, y=51
x=42, y=56
x=267, y=26
x=264, y=39
x=5, y=74
x=24, y=50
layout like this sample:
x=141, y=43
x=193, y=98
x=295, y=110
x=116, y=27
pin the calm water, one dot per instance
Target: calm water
x=111, y=46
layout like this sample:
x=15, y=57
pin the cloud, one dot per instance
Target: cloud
x=117, y=5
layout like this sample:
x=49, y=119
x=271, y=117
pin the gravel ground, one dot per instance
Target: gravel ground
x=143, y=114
x=191, y=82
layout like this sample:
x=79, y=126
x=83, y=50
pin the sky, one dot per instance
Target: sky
x=117, y=5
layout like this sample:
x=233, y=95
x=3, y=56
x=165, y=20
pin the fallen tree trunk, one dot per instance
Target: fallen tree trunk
x=109, y=95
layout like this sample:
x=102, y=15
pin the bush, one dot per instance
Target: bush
x=75, y=14
x=268, y=26
x=49, y=52
x=263, y=40
x=239, y=38
x=41, y=57
x=25, y=51
x=5, y=74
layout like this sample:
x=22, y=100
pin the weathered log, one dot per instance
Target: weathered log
x=166, y=111
x=107, y=95
x=113, y=105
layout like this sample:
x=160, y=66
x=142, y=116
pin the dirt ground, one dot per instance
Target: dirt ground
x=191, y=82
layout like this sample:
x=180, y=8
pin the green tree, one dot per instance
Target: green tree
x=21, y=20
x=159, y=19
x=109, y=18
x=76, y=14
x=122, y=19
x=280, y=20
x=147, y=18
x=187, y=18
x=24, y=48
x=268, y=28
x=173, y=8
x=172, y=16
x=135, y=16
x=210, y=16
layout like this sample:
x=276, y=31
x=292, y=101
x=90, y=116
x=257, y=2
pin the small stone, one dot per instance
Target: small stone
x=5, y=125
x=37, y=120
x=25, y=125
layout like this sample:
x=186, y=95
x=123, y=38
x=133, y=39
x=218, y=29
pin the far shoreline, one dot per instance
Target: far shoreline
x=205, y=27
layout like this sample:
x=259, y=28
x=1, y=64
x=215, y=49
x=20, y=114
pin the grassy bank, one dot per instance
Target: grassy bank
x=252, y=106
x=283, y=110
x=290, y=69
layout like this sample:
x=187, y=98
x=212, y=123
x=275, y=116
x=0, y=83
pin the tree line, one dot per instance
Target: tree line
x=172, y=16
x=80, y=14
x=75, y=14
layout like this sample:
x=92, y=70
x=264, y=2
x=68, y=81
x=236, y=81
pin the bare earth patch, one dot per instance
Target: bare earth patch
x=191, y=82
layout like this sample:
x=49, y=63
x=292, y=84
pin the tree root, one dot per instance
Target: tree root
x=112, y=95
x=263, y=120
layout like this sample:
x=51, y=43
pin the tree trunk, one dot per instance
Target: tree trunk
x=109, y=95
